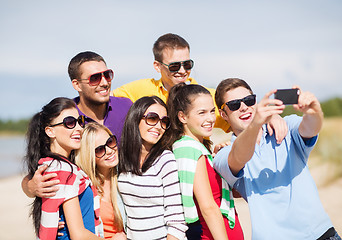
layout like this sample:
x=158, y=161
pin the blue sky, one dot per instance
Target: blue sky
x=270, y=44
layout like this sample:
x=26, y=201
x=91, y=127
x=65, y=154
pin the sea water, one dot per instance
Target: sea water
x=12, y=150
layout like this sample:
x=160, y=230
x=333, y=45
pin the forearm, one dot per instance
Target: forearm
x=311, y=124
x=25, y=187
x=214, y=219
x=243, y=148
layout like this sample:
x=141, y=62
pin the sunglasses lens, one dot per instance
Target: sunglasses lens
x=165, y=122
x=174, y=67
x=95, y=79
x=69, y=122
x=100, y=151
x=234, y=105
x=81, y=121
x=152, y=119
x=109, y=75
x=188, y=64
x=111, y=142
x=249, y=100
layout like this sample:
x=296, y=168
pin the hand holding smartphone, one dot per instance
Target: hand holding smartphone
x=287, y=96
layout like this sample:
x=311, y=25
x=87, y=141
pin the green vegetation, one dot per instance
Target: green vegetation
x=331, y=108
x=14, y=127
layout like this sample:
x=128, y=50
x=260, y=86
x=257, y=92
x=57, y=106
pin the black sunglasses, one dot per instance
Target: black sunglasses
x=234, y=105
x=96, y=78
x=153, y=118
x=70, y=122
x=175, y=66
x=100, y=151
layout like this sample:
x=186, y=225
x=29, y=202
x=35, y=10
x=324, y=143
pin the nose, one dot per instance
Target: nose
x=104, y=82
x=243, y=106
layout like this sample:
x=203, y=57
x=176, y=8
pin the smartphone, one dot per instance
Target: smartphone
x=287, y=96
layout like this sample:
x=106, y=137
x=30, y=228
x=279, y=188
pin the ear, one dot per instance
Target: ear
x=182, y=117
x=76, y=85
x=223, y=114
x=157, y=66
x=50, y=132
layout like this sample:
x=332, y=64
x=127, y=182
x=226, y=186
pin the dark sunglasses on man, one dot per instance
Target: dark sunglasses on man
x=111, y=142
x=175, y=66
x=235, y=104
x=96, y=78
x=153, y=118
x=70, y=122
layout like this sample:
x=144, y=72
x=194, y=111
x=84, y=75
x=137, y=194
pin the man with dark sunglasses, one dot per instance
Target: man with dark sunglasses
x=273, y=177
x=172, y=60
x=91, y=78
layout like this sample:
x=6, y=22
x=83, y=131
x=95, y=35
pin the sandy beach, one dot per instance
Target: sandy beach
x=16, y=224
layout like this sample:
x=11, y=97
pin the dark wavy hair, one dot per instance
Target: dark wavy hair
x=180, y=99
x=76, y=61
x=38, y=145
x=131, y=141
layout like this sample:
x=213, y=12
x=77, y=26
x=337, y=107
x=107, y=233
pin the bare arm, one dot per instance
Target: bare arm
x=40, y=185
x=74, y=220
x=244, y=145
x=278, y=126
x=208, y=207
x=313, y=115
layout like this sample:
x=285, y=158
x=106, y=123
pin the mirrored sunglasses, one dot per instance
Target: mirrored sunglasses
x=111, y=142
x=234, y=105
x=175, y=66
x=96, y=78
x=153, y=118
x=70, y=122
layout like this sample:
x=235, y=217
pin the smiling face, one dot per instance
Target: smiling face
x=64, y=140
x=241, y=118
x=110, y=159
x=95, y=95
x=168, y=78
x=151, y=134
x=200, y=118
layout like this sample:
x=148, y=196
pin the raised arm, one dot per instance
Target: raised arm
x=312, y=114
x=208, y=207
x=244, y=145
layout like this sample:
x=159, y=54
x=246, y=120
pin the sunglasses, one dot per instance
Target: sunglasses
x=70, y=122
x=175, y=66
x=153, y=118
x=100, y=151
x=96, y=78
x=234, y=105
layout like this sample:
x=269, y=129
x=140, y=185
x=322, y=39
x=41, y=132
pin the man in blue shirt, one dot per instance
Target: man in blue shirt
x=273, y=177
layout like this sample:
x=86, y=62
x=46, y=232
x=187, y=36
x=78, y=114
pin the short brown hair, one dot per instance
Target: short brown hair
x=75, y=63
x=168, y=41
x=227, y=85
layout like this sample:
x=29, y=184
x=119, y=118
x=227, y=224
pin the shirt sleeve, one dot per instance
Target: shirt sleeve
x=174, y=214
x=222, y=167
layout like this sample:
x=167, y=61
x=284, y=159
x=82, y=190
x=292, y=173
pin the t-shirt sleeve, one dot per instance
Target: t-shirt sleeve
x=222, y=167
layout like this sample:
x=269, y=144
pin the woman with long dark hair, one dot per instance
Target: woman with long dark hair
x=53, y=135
x=207, y=199
x=148, y=179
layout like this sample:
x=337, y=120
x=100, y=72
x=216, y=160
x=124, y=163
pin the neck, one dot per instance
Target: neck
x=95, y=111
x=144, y=152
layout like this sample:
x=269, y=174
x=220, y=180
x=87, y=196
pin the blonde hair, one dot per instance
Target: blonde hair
x=86, y=160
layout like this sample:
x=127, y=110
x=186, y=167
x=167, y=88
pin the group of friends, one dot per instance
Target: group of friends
x=138, y=163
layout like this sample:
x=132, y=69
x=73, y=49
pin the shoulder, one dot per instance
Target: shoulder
x=189, y=147
x=165, y=157
x=136, y=83
x=120, y=101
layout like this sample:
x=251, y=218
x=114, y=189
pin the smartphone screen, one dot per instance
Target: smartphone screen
x=287, y=96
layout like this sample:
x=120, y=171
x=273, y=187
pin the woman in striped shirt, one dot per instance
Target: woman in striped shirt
x=148, y=179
